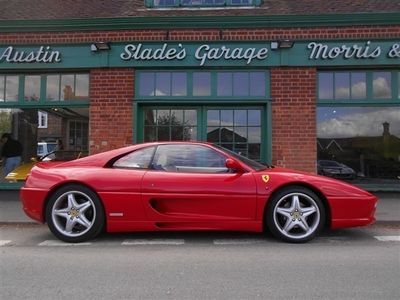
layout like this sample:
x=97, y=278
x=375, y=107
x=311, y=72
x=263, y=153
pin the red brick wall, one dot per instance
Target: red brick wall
x=292, y=89
x=111, y=109
x=297, y=33
x=293, y=92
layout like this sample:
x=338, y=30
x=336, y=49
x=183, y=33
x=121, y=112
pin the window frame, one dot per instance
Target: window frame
x=369, y=99
x=42, y=100
x=213, y=85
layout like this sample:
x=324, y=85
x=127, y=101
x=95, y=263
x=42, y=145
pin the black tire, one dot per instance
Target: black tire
x=75, y=214
x=295, y=214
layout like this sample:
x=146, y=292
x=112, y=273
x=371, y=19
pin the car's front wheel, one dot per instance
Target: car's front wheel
x=295, y=214
x=74, y=214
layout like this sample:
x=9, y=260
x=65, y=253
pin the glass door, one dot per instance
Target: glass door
x=166, y=124
x=239, y=129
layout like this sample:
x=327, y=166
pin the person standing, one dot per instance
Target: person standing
x=10, y=153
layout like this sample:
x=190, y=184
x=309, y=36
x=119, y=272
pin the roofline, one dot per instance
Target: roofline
x=200, y=22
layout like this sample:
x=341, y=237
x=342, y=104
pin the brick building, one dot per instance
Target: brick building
x=277, y=81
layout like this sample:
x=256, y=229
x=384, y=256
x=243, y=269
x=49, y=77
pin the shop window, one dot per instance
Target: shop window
x=67, y=87
x=239, y=84
x=48, y=114
x=163, y=84
x=45, y=134
x=9, y=88
x=32, y=88
x=201, y=84
x=358, y=126
x=203, y=3
x=249, y=84
x=356, y=85
x=382, y=85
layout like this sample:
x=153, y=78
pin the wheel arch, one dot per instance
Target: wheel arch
x=324, y=200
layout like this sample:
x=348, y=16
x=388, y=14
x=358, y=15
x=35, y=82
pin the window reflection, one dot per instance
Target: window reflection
x=201, y=84
x=2, y=88
x=53, y=87
x=364, y=139
x=358, y=86
x=170, y=124
x=236, y=129
x=257, y=84
x=67, y=87
x=224, y=84
x=342, y=89
x=32, y=88
x=11, y=88
x=146, y=84
x=179, y=84
x=163, y=84
x=240, y=84
x=325, y=85
x=42, y=132
x=382, y=85
x=82, y=86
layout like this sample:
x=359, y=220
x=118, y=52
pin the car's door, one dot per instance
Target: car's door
x=190, y=182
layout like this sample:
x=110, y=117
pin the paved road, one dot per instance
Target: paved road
x=357, y=263
x=360, y=263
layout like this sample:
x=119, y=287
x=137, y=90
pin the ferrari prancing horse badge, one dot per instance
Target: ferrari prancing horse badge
x=265, y=178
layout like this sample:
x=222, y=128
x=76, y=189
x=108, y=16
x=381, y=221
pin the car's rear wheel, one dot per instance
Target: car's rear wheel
x=74, y=214
x=295, y=214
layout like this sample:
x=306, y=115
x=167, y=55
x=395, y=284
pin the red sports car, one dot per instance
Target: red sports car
x=169, y=186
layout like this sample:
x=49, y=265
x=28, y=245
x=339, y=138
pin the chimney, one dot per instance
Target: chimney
x=386, y=132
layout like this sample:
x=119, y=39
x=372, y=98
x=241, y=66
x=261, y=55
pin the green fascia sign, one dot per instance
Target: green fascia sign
x=202, y=55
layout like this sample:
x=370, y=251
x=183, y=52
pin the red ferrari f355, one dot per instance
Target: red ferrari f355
x=171, y=186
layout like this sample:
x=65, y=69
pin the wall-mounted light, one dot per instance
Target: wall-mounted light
x=283, y=44
x=100, y=46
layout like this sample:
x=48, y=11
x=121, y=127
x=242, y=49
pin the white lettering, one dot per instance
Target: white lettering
x=45, y=55
x=323, y=51
x=140, y=52
x=205, y=52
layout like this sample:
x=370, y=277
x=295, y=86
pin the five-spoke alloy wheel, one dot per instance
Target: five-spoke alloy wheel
x=74, y=214
x=295, y=214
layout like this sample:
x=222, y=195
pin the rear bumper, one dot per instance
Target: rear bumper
x=33, y=203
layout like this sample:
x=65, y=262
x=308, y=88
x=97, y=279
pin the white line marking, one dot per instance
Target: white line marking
x=236, y=241
x=175, y=242
x=4, y=242
x=56, y=243
x=388, y=238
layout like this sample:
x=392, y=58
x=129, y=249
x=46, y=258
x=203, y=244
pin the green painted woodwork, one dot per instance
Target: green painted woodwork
x=209, y=54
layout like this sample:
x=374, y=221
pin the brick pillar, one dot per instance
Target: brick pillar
x=294, y=133
x=111, y=109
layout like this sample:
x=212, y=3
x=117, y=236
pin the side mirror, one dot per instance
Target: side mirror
x=233, y=165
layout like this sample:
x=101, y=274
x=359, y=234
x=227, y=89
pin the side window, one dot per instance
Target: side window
x=189, y=158
x=139, y=159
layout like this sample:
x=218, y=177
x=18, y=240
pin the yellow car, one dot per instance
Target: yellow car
x=21, y=172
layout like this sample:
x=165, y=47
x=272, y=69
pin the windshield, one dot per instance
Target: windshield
x=247, y=161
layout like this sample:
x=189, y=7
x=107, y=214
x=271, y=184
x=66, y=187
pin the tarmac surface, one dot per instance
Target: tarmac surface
x=388, y=210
